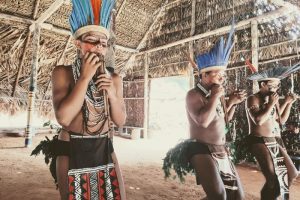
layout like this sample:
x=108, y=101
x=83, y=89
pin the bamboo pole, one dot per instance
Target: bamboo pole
x=254, y=50
x=191, y=46
x=191, y=69
x=146, y=96
x=36, y=9
x=121, y=8
x=29, y=132
x=21, y=63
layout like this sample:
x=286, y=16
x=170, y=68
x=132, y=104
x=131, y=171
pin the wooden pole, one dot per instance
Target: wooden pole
x=33, y=83
x=54, y=7
x=21, y=63
x=191, y=69
x=36, y=9
x=254, y=50
x=191, y=46
x=121, y=8
x=146, y=96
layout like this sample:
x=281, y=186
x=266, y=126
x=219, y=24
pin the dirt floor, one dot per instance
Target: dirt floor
x=24, y=177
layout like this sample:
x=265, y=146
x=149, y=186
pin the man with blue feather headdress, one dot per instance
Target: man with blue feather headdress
x=205, y=152
x=265, y=118
x=87, y=99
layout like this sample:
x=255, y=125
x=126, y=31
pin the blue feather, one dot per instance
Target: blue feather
x=219, y=55
x=275, y=72
x=107, y=6
x=82, y=14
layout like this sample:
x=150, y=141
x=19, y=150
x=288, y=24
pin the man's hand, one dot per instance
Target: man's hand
x=273, y=99
x=237, y=97
x=104, y=82
x=217, y=91
x=290, y=98
x=90, y=64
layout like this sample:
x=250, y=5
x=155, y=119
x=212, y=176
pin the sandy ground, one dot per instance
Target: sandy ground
x=24, y=177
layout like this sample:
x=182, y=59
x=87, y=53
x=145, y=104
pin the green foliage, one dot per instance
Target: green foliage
x=176, y=159
x=46, y=147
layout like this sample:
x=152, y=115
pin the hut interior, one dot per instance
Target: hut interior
x=150, y=43
x=150, y=40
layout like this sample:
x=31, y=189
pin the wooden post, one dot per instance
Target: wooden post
x=121, y=8
x=21, y=63
x=191, y=46
x=191, y=69
x=32, y=88
x=193, y=18
x=254, y=50
x=146, y=96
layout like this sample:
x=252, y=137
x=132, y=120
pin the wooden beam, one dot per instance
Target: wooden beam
x=279, y=59
x=121, y=8
x=150, y=28
x=122, y=48
x=254, y=50
x=191, y=69
x=245, y=23
x=193, y=20
x=146, y=97
x=21, y=62
x=23, y=20
x=285, y=4
x=54, y=7
x=21, y=99
x=36, y=9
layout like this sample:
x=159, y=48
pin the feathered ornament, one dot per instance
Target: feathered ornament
x=47, y=147
x=90, y=15
x=276, y=73
x=250, y=66
x=177, y=159
x=217, y=58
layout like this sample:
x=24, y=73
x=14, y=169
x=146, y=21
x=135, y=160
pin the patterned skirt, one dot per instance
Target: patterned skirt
x=92, y=173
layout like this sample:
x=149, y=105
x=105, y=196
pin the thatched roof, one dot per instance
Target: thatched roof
x=156, y=31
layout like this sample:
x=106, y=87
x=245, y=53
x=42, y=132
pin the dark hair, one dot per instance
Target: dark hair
x=200, y=75
x=260, y=82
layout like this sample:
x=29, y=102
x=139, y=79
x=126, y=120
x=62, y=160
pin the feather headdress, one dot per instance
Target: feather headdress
x=218, y=56
x=276, y=73
x=90, y=15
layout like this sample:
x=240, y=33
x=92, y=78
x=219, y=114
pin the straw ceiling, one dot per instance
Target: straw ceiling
x=152, y=27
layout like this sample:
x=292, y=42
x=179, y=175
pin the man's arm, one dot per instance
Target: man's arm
x=67, y=104
x=235, y=98
x=118, y=111
x=113, y=86
x=202, y=115
x=285, y=108
x=259, y=116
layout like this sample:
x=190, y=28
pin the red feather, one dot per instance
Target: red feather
x=96, y=5
x=251, y=67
